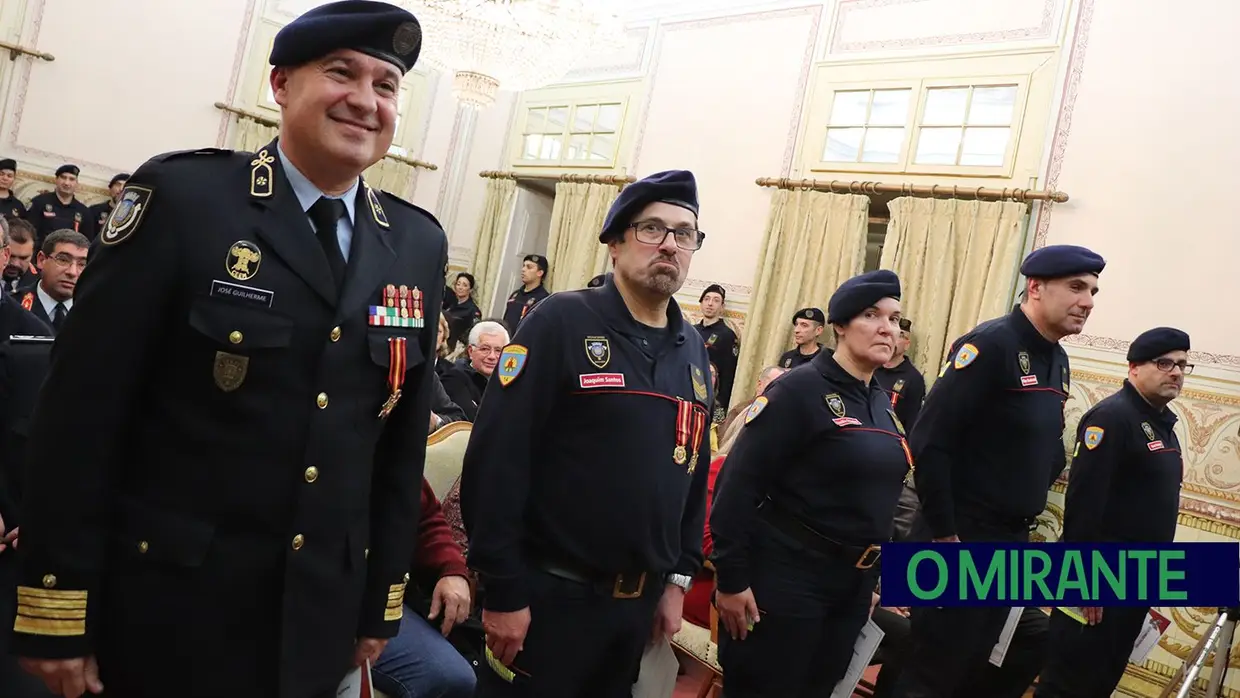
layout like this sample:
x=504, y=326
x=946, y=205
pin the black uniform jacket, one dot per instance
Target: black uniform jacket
x=822, y=447
x=1127, y=468
x=12, y=207
x=99, y=216
x=906, y=388
x=724, y=348
x=591, y=447
x=793, y=357
x=989, y=439
x=520, y=303
x=47, y=214
x=226, y=505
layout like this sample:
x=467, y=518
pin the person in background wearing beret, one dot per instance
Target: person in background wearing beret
x=807, y=326
x=900, y=378
x=533, y=271
x=988, y=446
x=236, y=511
x=461, y=309
x=1124, y=487
x=585, y=478
x=10, y=205
x=803, y=504
x=99, y=212
x=60, y=209
x=723, y=344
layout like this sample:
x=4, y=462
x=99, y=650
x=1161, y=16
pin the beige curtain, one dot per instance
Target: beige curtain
x=251, y=135
x=957, y=262
x=389, y=175
x=814, y=241
x=573, y=249
x=489, y=240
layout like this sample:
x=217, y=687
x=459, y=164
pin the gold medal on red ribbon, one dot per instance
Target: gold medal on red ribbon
x=684, y=425
x=404, y=301
x=396, y=374
x=699, y=425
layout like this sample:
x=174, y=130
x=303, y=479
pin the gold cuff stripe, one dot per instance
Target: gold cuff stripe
x=66, y=595
x=69, y=614
x=394, y=613
x=45, y=626
x=47, y=603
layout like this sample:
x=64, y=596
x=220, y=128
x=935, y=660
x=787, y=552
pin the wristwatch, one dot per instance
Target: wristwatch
x=683, y=581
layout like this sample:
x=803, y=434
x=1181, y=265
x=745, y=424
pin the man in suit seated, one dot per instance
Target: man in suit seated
x=465, y=383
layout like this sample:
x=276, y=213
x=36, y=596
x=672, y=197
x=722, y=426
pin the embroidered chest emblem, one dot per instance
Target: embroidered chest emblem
x=835, y=403
x=598, y=351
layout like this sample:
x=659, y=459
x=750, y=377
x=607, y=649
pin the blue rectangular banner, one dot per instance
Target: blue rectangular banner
x=1060, y=574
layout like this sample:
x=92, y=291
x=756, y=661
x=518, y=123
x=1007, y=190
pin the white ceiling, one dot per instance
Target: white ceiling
x=644, y=10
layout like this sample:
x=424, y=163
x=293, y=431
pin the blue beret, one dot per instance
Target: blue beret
x=538, y=259
x=1058, y=261
x=378, y=29
x=676, y=187
x=1152, y=344
x=8, y=164
x=813, y=314
x=68, y=169
x=713, y=288
x=122, y=177
x=861, y=292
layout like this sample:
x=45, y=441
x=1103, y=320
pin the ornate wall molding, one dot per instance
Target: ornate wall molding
x=1044, y=30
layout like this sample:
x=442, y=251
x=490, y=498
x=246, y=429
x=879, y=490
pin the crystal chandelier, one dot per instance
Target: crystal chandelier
x=514, y=44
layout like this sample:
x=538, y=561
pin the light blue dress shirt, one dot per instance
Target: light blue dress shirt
x=307, y=194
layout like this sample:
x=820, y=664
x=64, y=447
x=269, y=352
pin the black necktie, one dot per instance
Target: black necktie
x=59, y=313
x=325, y=213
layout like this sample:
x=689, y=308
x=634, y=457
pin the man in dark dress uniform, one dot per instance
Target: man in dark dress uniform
x=723, y=345
x=585, y=479
x=99, y=212
x=1123, y=487
x=235, y=512
x=900, y=378
x=60, y=209
x=10, y=205
x=807, y=326
x=988, y=445
x=533, y=272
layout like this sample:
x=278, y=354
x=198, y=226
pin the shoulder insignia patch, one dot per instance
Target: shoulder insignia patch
x=1093, y=437
x=123, y=222
x=28, y=300
x=1149, y=430
x=965, y=356
x=699, y=382
x=511, y=363
x=755, y=409
x=262, y=177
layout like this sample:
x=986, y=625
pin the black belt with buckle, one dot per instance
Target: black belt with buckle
x=865, y=556
x=625, y=585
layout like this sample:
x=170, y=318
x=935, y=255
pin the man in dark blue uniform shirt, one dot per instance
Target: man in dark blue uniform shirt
x=1124, y=486
x=988, y=444
x=901, y=380
x=235, y=512
x=584, y=482
x=533, y=272
x=807, y=325
x=723, y=344
x=60, y=209
x=10, y=205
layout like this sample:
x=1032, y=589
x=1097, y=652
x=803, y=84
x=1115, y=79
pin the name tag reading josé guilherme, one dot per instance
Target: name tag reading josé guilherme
x=396, y=374
x=246, y=294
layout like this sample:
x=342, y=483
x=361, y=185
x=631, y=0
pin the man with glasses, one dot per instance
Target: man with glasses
x=62, y=260
x=465, y=383
x=585, y=478
x=1124, y=486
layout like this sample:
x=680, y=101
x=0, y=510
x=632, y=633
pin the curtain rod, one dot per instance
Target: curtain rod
x=588, y=178
x=275, y=123
x=907, y=189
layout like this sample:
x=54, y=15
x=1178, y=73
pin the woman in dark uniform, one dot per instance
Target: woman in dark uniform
x=807, y=495
x=462, y=311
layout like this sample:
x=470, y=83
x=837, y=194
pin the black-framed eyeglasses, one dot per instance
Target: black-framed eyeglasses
x=654, y=233
x=1165, y=365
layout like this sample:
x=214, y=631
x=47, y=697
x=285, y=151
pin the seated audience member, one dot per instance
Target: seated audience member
x=16, y=319
x=420, y=661
x=697, y=601
x=62, y=259
x=442, y=363
x=465, y=384
x=443, y=410
x=765, y=376
x=20, y=273
x=461, y=309
x=452, y=514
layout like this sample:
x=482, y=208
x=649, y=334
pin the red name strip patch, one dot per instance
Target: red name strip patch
x=847, y=422
x=602, y=380
x=1028, y=380
x=1155, y=445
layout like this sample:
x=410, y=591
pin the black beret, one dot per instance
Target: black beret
x=538, y=259
x=68, y=169
x=676, y=187
x=122, y=177
x=378, y=29
x=713, y=288
x=1058, y=261
x=810, y=314
x=1152, y=344
x=8, y=164
x=861, y=292
x=597, y=281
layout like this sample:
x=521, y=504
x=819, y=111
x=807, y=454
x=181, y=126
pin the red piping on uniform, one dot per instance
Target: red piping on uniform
x=881, y=431
x=643, y=393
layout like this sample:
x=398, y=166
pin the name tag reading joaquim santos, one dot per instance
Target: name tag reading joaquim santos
x=1061, y=574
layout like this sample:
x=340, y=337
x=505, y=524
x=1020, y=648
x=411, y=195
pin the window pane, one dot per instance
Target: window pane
x=992, y=106
x=945, y=106
x=578, y=147
x=608, y=118
x=984, y=146
x=603, y=147
x=849, y=108
x=883, y=145
x=937, y=146
x=889, y=108
x=556, y=118
x=550, y=149
x=533, y=143
x=535, y=120
x=843, y=144
x=583, y=118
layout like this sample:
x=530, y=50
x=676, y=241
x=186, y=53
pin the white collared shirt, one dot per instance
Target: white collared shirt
x=49, y=303
x=307, y=194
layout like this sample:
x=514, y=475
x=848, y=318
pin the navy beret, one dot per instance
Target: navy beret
x=1151, y=344
x=810, y=314
x=8, y=164
x=1058, y=261
x=122, y=177
x=68, y=169
x=861, y=292
x=676, y=187
x=713, y=288
x=538, y=259
x=377, y=29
